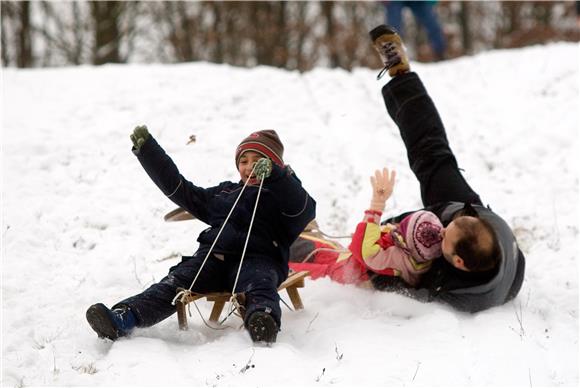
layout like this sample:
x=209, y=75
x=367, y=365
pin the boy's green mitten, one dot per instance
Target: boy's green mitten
x=263, y=168
x=139, y=136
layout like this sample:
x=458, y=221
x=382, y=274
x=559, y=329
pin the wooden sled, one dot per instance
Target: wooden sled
x=294, y=281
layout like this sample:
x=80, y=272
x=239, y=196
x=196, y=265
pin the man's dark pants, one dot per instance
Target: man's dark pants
x=423, y=133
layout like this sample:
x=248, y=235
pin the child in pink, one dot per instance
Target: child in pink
x=405, y=249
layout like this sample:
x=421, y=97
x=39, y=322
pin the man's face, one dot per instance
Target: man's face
x=245, y=166
x=450, y=234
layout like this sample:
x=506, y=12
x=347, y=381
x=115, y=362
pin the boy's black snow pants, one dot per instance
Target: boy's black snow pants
x=259, y=280
x=423, y=133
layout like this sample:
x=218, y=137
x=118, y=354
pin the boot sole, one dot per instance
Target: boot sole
x=384, y=33
x=101, y=322
x=381, y=30
x=262, y=328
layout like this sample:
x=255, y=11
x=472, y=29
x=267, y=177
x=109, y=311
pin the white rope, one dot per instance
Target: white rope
x=205, y=322
x=232, y=308
x=247, y=239
x=316, y=230
x=188, y=291
x=182, y=295
x=315, y=251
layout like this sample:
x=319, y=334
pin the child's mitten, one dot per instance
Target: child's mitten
x=139, y=136
x=263, y=168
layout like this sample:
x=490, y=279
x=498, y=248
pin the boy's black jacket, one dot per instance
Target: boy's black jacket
x=284, y=208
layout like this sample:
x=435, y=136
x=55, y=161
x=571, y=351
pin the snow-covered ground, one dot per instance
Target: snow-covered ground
x=82, y=223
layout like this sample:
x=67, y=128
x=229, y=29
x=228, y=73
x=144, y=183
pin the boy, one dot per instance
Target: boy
x=284, y=209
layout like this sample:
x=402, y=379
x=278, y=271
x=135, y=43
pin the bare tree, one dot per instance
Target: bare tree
x=268, y=36
x=16, y=33
x=330, y=33
x=65, y=32
x=106, y=15
x=299, y=31
x=292, y=35
x=465, y=24
x=24, y=58
x=5, y=18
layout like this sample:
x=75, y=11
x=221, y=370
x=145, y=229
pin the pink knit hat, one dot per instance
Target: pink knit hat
x=422, y=232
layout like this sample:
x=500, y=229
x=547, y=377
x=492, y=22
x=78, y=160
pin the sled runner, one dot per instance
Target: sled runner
x=178, y=214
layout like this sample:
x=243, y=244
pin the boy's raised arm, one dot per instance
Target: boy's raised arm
x=165, y=174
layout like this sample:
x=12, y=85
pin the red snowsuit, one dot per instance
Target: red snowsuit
x=376, y=248
x=330, y=259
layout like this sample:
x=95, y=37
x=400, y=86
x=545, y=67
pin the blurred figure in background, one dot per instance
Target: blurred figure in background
x=425, y=15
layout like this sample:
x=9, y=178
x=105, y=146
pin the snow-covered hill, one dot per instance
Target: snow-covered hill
x=82, y=223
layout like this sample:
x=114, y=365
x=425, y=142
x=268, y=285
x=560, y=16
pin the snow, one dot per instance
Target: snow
x=82, y=222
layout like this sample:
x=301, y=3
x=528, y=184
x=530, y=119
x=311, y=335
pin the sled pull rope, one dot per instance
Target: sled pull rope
x=315, y=251
x=204, y=321
x=316, y=230
x=234, y=308
x=247, y=239
x=184, y=293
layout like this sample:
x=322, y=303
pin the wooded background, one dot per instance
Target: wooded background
x=285, y=34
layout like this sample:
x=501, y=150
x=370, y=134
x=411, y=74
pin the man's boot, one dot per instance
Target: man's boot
x=262, y=327
x=391, y=50
x=111, y=324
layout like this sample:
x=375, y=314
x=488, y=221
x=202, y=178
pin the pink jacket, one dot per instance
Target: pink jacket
x=404, y=250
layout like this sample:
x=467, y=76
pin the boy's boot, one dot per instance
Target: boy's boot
x=391, y=50
x=111, y=324
x=262, y=327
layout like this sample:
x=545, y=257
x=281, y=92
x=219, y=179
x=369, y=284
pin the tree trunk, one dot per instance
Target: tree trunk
x=218, y=32
x=281, y=46
x=327, y=7
x=465, y=23
x=106, y=31
x=264, y=32
x=24, y=58
x=302, y=33
x=5, y=13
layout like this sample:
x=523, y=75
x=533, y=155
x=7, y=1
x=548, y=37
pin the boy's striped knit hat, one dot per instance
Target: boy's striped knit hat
x=265, y=142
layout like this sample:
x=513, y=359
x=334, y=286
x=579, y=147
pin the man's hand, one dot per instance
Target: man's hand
x=383, y=183
x=263, y=168
x=139, y=136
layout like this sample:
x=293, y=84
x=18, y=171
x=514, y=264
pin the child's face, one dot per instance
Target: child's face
x=246, y=164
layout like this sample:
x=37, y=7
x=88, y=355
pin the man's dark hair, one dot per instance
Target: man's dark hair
x=477, y=255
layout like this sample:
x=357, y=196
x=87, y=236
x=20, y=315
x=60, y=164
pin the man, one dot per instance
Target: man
x=444, y=191
x=425, y=14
